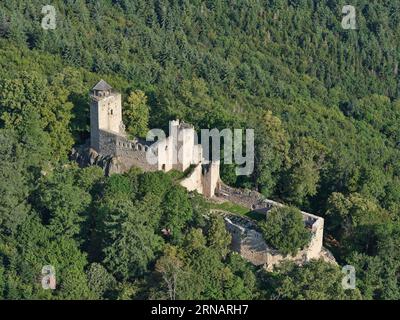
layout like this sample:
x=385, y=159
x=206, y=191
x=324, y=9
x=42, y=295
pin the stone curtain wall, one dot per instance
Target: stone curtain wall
x=107, y=143
x=118, y=145
x=194, y=180
x=247, y=238
x=204, y=179
x=248, y=241
x=117, y=154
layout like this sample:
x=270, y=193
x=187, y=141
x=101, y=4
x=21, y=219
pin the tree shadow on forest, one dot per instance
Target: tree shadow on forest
x=80, y=123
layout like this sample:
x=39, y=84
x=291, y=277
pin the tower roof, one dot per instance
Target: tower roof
x=102, y=86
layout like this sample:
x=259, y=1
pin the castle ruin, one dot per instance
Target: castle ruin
x=111, y=148
x=178, y=151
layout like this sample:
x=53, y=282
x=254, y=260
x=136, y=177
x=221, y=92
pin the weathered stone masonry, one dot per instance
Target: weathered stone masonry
x=248, y=240
x=109, y=139
x=111, y=149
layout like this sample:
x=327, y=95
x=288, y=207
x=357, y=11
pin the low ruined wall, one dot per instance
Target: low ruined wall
x=237, y=233
x=250, y=244
x=255, y=201
x=315, y=246
x=246, y=241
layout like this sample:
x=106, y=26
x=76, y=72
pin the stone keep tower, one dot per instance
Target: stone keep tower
x=105, y=114
x=183, y=138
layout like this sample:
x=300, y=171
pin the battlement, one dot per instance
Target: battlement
x=178, y=151
x=100, y=96
x=111, y=147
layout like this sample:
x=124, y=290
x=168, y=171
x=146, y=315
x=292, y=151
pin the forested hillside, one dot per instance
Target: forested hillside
x=324, y=103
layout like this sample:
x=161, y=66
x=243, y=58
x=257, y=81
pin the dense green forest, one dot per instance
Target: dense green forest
x=324, y=103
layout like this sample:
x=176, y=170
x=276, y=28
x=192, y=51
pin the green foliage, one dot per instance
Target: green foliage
x=272, y=152
x=35, y=247
x=119, y=187
x=377, y=262
x=284, y=230
x=177, y=211
x=169, y=266
x=156, y=183
x=62, y=203
x=29, y=97
x=136, y=114
x=324, y=103
x=218, y=237
x=317, y=280
x=99, y=280
x=351, y=218
x=88, y=177
x=201, y=207
x=129, y=243
x=307, y=159
x=14, y=186
x=207, y=276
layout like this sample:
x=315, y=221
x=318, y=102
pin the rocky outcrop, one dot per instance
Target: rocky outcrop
x=86, y=156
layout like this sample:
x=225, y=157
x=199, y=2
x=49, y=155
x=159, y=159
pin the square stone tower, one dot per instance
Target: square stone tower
x=105, y=114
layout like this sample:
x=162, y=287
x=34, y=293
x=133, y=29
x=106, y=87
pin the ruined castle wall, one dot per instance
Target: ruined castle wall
x=250, y=244
x=194, y=180
x=255, y=201
x=211, y=178
x=126, y=147
x=247, y=242
x=185, y=148
x=315, y=247
x=107, y=143
x=204, y=179
x=133, y=153
x=247, y=198
x=165, y=156
x=254, y=248
x=169, y=159
x=237, y=233
x=129, y=152
x=273, y=258
x=197, y=154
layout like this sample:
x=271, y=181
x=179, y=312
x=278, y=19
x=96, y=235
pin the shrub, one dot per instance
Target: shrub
x=284, y=230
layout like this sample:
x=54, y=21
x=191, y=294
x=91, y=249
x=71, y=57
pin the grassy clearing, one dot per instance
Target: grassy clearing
x=237, y=209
